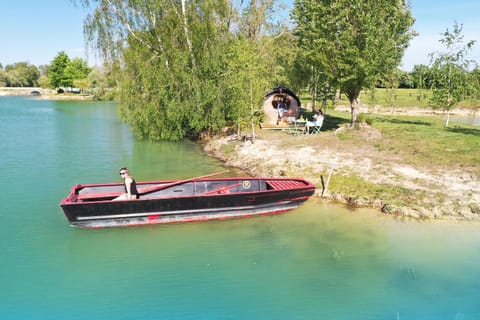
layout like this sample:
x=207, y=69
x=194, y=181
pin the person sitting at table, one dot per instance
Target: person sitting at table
x=316, y=122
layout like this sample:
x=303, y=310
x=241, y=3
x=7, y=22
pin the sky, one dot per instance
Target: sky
x=36, y=31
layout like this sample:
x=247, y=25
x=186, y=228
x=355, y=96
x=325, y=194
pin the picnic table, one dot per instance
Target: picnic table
x=292, y=126
x=297, y=127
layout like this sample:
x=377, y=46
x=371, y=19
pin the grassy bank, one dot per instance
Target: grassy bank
x=421, y=142
x=410, y=165
x=418, y=140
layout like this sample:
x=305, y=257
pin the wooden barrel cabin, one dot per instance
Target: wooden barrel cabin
x=281, y=105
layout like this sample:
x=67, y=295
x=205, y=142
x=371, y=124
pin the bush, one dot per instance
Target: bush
x=362, y=118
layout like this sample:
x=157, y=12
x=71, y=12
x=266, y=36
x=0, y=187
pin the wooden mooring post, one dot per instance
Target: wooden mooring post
x=325, y=184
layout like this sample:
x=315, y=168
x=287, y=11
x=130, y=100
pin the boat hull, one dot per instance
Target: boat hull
x=192, y=201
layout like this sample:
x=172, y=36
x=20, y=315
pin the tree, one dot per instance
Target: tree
x=474, y=88
x=279, y=55
x=176, y=76
x=102, y=82
x=76, y=70
x=170, y=60
x=56, y=72
x=352, y=44
x=392, y=80
x=406, y=80
x=245, y=82
x=43, y=82
x=309, y=71
x=450, y=71
x=251, y=62
x=21, y=74
x=421, y=79
x=63, y=71
x=82, y=84
x=3, y=78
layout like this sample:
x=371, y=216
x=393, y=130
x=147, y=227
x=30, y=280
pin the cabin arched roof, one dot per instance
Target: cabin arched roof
x=280, y=90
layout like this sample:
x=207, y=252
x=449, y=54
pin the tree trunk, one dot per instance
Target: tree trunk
x=314, y=98
x=251, y=112
x=187, y=32
x=355, y=109
x=314, y=89
x=447, y=120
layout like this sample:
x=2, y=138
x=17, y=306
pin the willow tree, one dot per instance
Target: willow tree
x=177, y=74
x=352, y=43
x=170, y=55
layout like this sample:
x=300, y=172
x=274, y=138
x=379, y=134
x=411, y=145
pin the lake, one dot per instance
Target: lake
x=321, y=261
x=472, y=120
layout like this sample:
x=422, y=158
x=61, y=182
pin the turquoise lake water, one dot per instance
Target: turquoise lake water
x=321, y=261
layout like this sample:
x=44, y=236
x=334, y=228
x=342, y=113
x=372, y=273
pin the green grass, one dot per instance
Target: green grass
x=400, y=97
x=354, y=185
x=426, y=139
x=420, y=140
x=397, y=97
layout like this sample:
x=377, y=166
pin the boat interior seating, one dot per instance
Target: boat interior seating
x=193, y=188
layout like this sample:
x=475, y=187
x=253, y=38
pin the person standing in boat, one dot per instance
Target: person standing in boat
x=130, y=185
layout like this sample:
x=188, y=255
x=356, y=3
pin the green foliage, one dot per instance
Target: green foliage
x=20, y=74
x=63, y=71
x=363, y=118
x=473, y=88
x=76, y=70
x=450, y=70
x=184, y=72
x=101, y=81
x=421, y=76
x=3, y=80
x=352, y=43
x=56, y=72
x=168, y=94
x=43, y=82
x=245, y=81
x=279, y=52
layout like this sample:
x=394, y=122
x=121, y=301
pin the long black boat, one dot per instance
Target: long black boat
x=197, y=199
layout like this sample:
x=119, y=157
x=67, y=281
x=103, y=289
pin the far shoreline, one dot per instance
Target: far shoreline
x=42, y=93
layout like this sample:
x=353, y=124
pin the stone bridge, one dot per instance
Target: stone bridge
x=24, y=91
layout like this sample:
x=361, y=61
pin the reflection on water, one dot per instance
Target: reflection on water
x=472, y=120
x=321, y=261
